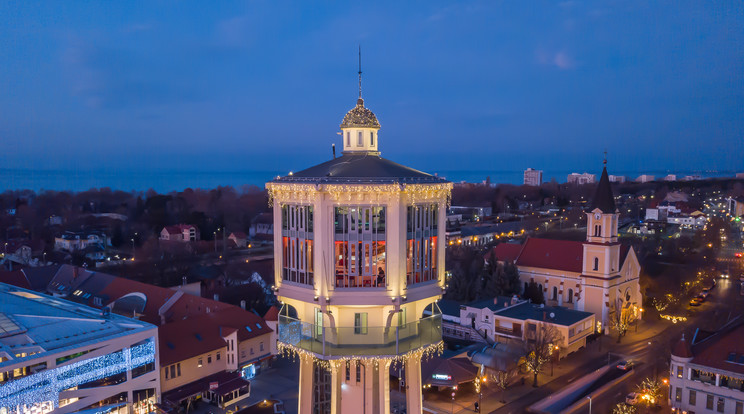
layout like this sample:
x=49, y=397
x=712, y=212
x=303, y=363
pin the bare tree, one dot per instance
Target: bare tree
x=621, y=319
x=622, y=408
x=540, y=340
x=503, y=379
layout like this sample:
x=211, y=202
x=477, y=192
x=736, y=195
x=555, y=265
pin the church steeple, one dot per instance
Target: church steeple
x=603, y=197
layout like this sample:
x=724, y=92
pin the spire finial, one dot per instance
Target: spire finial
x=360, y=71
x=605, y=158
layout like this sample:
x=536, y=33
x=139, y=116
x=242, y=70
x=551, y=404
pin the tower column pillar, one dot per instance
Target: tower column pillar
x=337, y=375
x=307, y=377
x=414, y=399
x=383, y=373
x=369, y=386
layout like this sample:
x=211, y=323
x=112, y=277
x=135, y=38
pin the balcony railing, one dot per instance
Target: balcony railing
x=351, y=341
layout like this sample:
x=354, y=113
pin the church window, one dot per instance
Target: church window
x=421, y=243
x=372, y=138
x=596, y=263
x=359, y=246
x=297, y=243
x=570, y=295
x=555, y=293
x=360, y=140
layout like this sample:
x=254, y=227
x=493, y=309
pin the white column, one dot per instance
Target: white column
x=414, y=401
x=369, y=385
x=383, y=372
x=305, y=398
x=338, y=369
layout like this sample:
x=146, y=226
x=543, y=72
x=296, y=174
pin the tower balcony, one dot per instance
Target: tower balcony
x=330, y=342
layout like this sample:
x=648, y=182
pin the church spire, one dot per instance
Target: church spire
x=603, y=197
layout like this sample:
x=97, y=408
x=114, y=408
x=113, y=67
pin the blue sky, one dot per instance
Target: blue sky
x=491, y=85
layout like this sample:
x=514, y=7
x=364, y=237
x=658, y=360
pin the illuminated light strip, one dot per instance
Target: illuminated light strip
x=348, y=192
x=46, y=385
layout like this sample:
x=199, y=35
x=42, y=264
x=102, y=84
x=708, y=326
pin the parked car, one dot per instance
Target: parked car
x=625, y=365
x=633, y=398
x=695, y=302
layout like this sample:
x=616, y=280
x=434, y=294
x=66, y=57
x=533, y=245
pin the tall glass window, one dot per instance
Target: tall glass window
x=359, y=246
x=297, y=243
x=421, y=243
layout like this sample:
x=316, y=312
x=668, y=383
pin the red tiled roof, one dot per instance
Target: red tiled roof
x=15, y=278
x=715, y=353
x=682, y=348
x=272, y=314
x=552, y=254
x=178, y=228
x=187, y=338
x=507, y=252
x=156, y=296
x=238, y=235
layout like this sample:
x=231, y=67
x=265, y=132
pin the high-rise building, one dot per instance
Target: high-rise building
x=533, y=177
x=61, y=356
x=585, y=178
x=359, y=268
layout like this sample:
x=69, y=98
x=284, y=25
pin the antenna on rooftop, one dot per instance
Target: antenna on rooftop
x=360, y=71
x=605, y=158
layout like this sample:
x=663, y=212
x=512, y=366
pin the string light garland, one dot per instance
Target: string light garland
x=294, y=352
x=45, y=386
x=413, y=193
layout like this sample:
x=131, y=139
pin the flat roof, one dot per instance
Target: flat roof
x=552, y=314
x=36, y=323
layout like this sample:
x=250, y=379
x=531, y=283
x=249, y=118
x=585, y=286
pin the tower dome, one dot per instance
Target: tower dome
x=360, y=117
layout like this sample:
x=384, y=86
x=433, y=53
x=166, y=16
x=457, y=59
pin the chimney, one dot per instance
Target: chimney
x=242, y=304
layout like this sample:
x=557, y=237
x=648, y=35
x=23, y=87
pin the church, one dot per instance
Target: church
x=598, y=275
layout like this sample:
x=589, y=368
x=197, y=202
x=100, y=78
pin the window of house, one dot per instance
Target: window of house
x=260, y=347
x=678, y=394
x=360, y=323
x=709, y=401
x=570, y=295
x=421, y=245
x=596, y=263
x=720, y=404
x=571, y=332
x=555, y=293
x=167, y=369
x=217, y=357
x=360, y=140
x=209, y=359
x=199, y=362
x=359, y=246
x=297, y=243
x=372, y=139
x=680, y=371
x=692, y=397
x=178, y=369
x=739, y=408
x=251, y=350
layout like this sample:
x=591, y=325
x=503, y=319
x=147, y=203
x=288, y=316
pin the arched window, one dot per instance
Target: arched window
x=570, y=295
x=348, y=139
x=372, y=139
x=596, y=263
x=555, y=293
x=360, y=140
x=599, y=231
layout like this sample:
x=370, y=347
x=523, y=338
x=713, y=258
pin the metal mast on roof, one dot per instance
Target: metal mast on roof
x=360, y=71
x=605, y=158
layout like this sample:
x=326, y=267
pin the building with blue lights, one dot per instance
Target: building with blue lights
x=60, y=356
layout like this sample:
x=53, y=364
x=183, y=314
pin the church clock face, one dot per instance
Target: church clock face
x=597, y=216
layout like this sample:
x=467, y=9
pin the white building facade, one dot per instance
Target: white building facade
x=61, y=357
x=533, y=177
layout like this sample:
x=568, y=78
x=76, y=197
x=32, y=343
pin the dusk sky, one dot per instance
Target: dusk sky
x=263, y=85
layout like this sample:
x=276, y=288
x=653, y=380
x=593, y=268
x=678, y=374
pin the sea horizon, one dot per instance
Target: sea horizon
x=168, y=180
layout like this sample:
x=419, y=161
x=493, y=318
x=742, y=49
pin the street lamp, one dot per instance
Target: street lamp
x=589, y=397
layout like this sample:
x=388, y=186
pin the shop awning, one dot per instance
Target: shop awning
x=223, y=383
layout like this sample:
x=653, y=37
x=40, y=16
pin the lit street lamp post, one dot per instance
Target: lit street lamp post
x=589, y=397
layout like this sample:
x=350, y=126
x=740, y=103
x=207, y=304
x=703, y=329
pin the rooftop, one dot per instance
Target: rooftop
x=36, y=323
x=363, y=168
x=553, y=314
